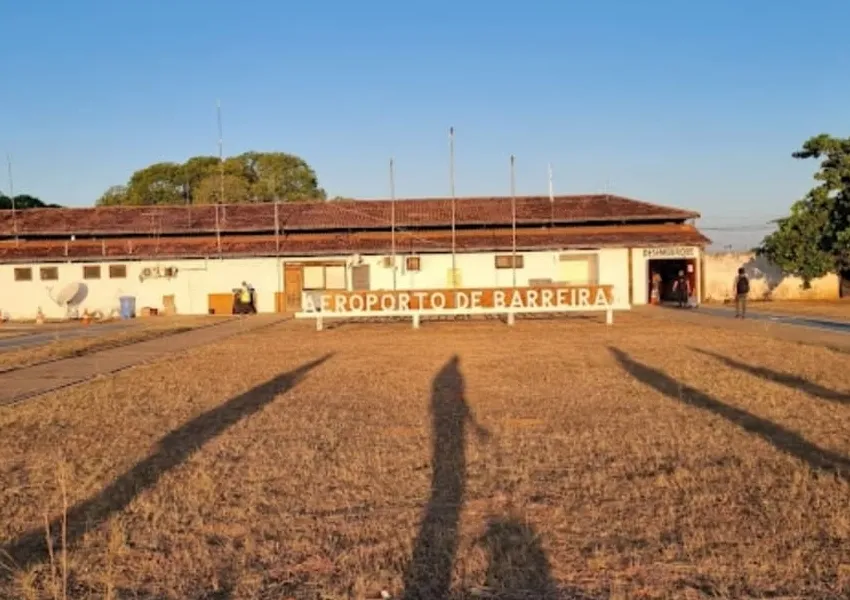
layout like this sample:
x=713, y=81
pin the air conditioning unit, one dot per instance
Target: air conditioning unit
x=170, y=272
x=146, y=272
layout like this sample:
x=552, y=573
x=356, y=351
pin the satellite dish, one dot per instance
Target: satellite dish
x=68, y=294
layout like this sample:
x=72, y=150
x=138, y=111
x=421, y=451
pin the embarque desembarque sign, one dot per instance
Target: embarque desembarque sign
x=526, y=299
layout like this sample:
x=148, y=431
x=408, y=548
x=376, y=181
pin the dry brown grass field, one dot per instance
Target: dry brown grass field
x=651, y=459
x=144, y=329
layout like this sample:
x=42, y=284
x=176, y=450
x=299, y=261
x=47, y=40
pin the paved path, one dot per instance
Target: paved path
x=834, y=336
x=38, y=338
x=21, y=384
x=816, y=322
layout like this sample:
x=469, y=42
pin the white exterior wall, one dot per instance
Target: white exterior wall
x=767, y=281
x=196, y=279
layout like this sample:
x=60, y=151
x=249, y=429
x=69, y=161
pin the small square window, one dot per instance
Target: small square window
x=91, y=272
x=49, y=273
x=506, y=261
x=23, y=274
x=118, y=271
x=412, y=263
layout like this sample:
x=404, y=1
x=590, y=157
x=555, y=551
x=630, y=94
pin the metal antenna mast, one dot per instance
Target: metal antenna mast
x=12, y=198
x=513, y=221
x=220, y=177
x=392, y=217
x=454, y=207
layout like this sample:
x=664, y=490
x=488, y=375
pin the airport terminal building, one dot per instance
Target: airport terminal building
x=188, y=259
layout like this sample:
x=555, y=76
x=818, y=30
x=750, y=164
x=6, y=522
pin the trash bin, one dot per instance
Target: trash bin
x=128, y=307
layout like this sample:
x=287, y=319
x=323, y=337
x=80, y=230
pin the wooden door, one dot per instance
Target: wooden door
x=293, y=285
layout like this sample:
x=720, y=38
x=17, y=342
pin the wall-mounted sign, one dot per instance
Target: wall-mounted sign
x=669, y=252
x=563, y=298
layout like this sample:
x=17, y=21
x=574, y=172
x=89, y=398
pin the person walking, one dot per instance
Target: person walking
x=741, y=290
x=682, y=288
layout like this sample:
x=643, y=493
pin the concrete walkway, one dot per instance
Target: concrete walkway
x=834, y=336
x=31, y=337
x=27, y=382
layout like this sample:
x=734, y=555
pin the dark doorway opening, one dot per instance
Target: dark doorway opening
x=668, y=269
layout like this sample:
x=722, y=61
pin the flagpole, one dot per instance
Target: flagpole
x=392, y=216
x=12, y=198
x=220, y=177
x=454, y=208
x=513, y=221
x=551, y=199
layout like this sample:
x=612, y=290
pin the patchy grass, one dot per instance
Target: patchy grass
x=652, y=459
x=145, y=329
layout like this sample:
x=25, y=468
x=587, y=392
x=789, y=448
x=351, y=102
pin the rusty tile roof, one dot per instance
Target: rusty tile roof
x=318, y=244
x=325, y=216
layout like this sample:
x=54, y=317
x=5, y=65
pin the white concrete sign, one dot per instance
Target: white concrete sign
x=556, y=299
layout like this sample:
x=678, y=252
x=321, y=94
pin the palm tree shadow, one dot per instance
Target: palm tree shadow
x=784, y=440
x=172, y=451
x=786, y=379
x=429, y=571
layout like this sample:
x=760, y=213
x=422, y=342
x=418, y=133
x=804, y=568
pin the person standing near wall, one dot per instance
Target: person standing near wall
x=741, y=289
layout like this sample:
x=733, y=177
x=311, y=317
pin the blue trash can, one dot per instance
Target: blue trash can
x=128, y=307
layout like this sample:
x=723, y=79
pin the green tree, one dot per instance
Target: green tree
x=117, y=195
x=160, y=183
x=23, y=202
x=264, y=177
x=815, y=238
x=236, y=190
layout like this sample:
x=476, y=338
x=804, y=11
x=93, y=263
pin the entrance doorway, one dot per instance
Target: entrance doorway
x=668, y=269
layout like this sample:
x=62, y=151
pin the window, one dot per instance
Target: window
x=506, y=261
x=49, y=273
x=91, y=272
x=23, y=274
x=412, y=263
x=118, y=271
x=579, y=269
x=324, y=277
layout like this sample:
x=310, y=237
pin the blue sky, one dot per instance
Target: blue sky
x=695, y=104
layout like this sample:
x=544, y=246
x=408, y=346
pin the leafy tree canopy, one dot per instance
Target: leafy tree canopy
x=815, y=238
x=23, y=201
x=249, y=177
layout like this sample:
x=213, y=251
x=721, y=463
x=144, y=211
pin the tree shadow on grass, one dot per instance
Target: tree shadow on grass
x=791, y=381
x=782, y=439
x=172, y=451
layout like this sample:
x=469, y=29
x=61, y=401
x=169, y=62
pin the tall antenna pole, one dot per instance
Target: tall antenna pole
x=551, y=199
x=454, y=207
x=513, y=221
x=220, y=176
x=12, y=198
x=392, y=216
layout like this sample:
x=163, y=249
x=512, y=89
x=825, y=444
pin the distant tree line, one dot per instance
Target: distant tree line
x=23, y=201
x=249, y=177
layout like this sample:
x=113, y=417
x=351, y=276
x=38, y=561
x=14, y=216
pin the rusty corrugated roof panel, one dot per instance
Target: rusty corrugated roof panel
x=317, y=244
x=318, y=216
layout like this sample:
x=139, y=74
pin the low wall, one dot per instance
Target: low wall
x=767, y=281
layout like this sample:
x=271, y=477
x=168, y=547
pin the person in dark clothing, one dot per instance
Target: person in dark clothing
x=741, y=290
x=682, y=289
